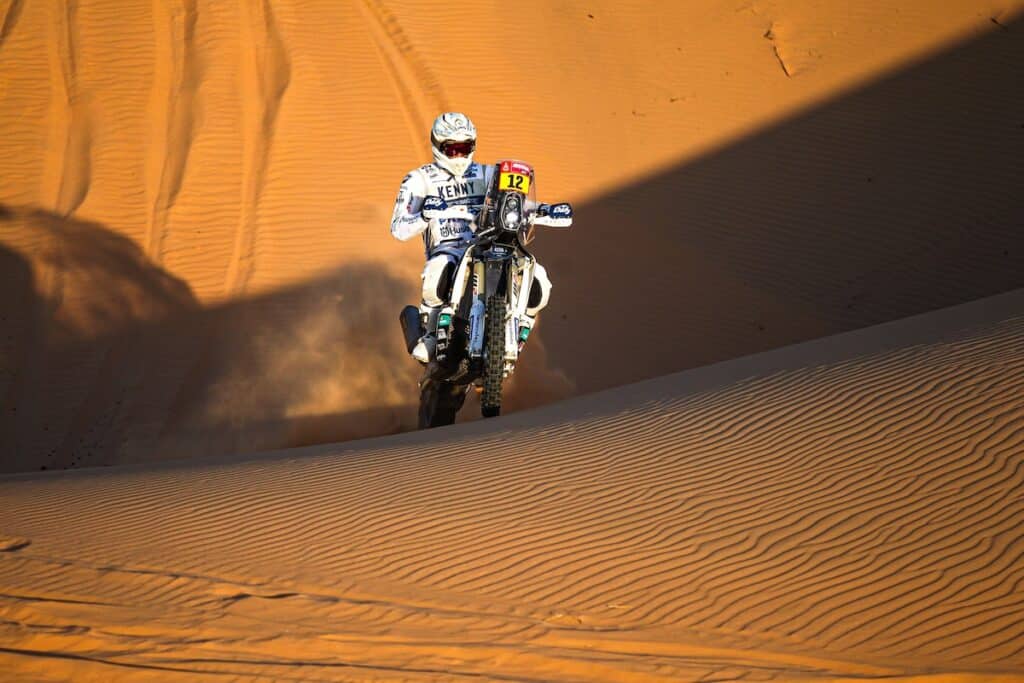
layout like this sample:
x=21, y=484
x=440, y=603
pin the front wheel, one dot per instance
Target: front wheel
x=494, y=362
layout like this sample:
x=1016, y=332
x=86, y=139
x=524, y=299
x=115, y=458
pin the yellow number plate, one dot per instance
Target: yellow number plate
x=514, y=181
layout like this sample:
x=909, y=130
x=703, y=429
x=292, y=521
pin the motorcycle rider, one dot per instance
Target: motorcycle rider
x=440, y=201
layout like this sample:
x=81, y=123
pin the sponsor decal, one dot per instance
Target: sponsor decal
x=456, y=190
x=561, y=210
x=511, y=166
x=520, y=167
x=434, y=204
x=452, y=229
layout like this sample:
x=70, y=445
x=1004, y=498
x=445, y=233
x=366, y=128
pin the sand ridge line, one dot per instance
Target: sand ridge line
x=941, y=677
x=552, y=649
x=265, y=75
x=10, y=544
x=420, y=93
x=10, y=19
x=170, y=642
x=172, y=108
x=65, y=580
x=68, y=155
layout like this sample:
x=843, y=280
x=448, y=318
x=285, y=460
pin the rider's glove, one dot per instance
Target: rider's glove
x=432, y=207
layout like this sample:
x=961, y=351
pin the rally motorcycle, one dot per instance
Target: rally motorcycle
x=482, y=331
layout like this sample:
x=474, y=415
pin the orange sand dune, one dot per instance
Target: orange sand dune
x=194, y=262
x=191, y=191
x=846, y=509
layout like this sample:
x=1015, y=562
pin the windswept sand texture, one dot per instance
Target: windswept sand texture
x=848, y=509
x=194, y=263
x=747, y=175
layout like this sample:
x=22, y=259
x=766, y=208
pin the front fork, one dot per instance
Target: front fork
x=517, y=326
x=447, y=315
x=521, y=324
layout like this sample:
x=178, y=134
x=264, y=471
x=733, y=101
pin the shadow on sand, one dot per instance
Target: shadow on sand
x=900, y=197
x=110, y=359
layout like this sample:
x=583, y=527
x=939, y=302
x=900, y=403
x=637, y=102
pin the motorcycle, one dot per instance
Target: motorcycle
x=483, y=330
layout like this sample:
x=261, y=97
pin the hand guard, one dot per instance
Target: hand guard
x=433, y=207
x=553, y=215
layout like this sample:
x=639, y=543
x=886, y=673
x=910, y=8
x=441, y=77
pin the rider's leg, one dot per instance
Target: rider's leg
x=437, y=282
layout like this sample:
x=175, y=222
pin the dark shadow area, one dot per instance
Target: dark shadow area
x=21, y=331
x=900, y=197
x=109, y=359
x=99, y=280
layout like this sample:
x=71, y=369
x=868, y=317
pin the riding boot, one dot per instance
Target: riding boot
x=424, y=349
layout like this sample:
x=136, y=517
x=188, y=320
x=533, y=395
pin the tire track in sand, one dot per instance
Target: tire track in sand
x=172, y=104
x=264, y=77
x=418, y=88
x=11, y=15
x=65, y=181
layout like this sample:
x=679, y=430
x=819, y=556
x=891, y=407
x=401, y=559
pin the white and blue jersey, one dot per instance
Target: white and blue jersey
x=440, y=235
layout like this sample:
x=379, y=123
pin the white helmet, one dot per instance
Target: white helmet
x=453, y=138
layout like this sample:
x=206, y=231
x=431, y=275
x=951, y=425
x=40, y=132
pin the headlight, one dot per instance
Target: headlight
x=510, y=212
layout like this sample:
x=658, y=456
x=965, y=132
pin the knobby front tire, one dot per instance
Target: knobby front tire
x=494, y=369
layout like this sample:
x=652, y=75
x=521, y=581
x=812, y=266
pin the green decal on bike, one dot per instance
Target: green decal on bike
x=444, y=321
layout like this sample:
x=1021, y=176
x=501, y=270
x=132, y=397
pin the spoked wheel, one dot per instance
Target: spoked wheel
x=494, y=361
x=439, y=403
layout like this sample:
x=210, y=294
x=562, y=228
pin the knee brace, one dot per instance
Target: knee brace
x=437, y=280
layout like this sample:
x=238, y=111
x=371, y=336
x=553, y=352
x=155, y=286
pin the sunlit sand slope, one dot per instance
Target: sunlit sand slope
x=846, y=508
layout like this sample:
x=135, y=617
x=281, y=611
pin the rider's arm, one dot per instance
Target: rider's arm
x=406, y=221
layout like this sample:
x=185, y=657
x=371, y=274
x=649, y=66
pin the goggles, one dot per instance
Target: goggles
x=458, y=149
